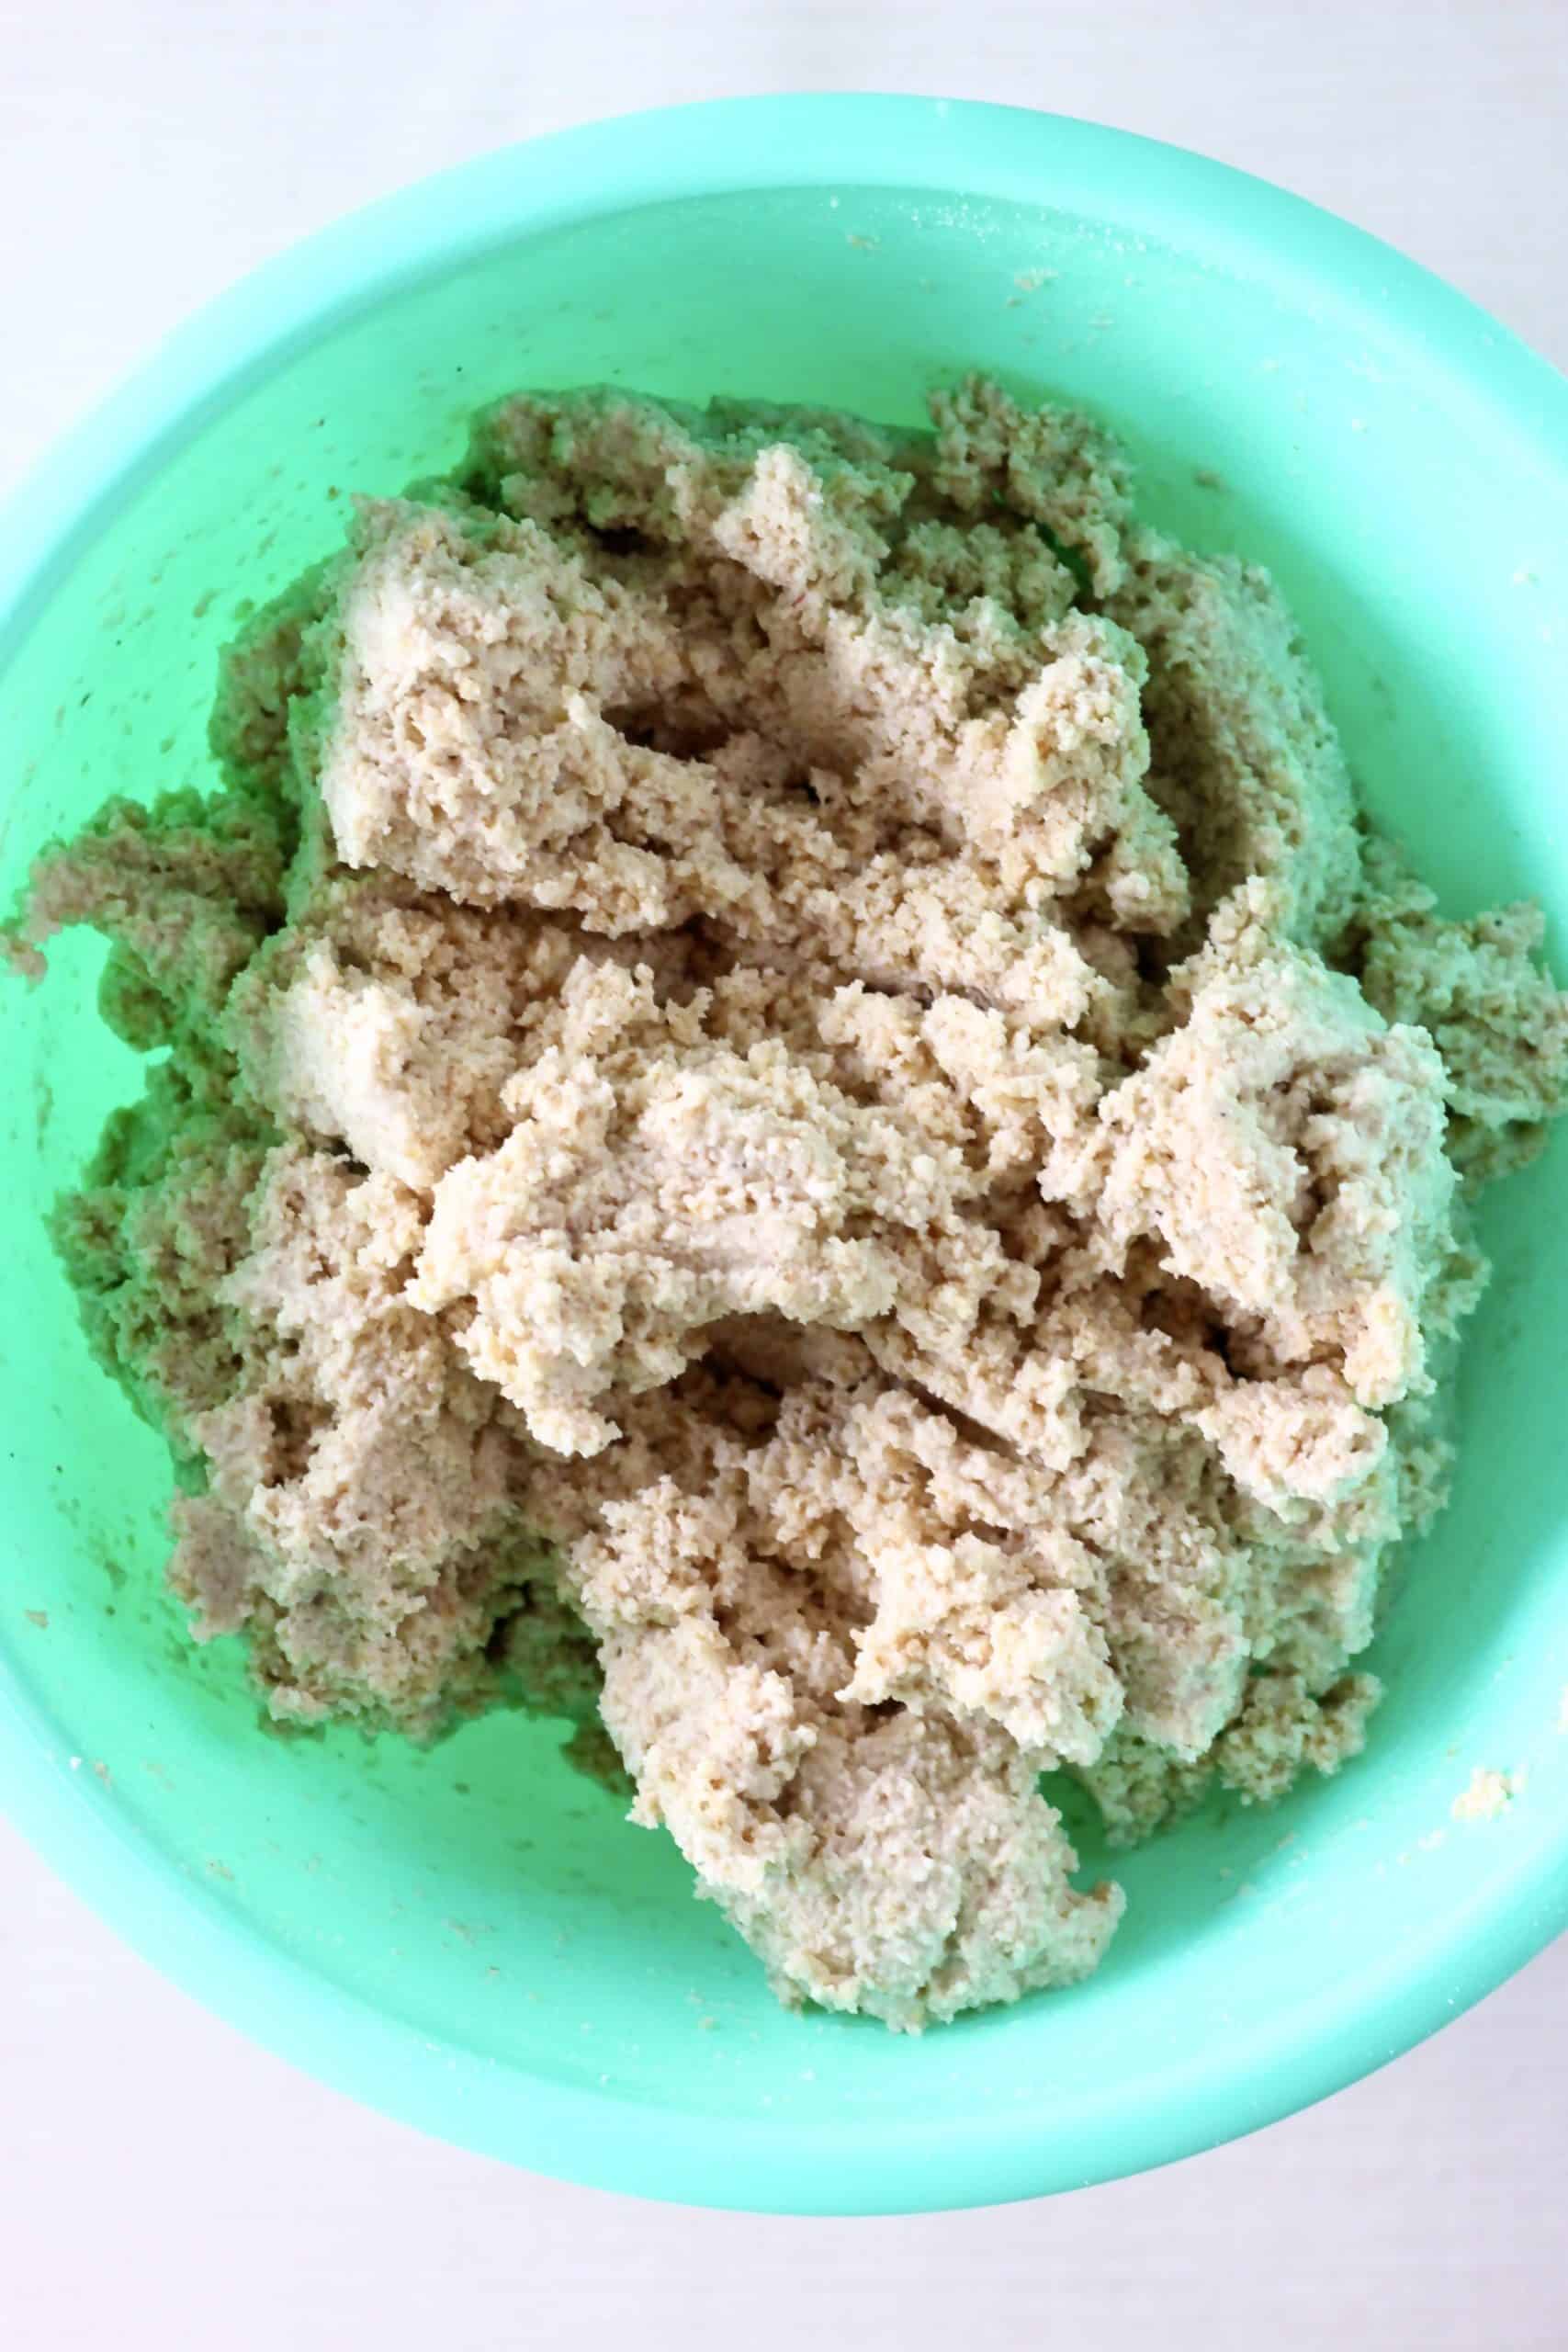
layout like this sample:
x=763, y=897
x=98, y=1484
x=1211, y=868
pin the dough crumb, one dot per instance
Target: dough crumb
x=791, y=1123
x=1489, y=1794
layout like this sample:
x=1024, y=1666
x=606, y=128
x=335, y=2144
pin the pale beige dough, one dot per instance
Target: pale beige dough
x=797, y=1120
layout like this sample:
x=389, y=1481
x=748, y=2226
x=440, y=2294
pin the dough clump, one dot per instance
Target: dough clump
x=793, y=1122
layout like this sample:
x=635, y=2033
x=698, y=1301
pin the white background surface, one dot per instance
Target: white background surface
x=162, y=2184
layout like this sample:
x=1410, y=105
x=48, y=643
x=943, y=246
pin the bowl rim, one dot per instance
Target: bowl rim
x=976, y=150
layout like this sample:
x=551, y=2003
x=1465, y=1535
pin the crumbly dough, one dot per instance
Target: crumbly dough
x=796, y=1120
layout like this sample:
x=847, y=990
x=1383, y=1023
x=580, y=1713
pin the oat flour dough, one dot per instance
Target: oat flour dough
x=797, y=1121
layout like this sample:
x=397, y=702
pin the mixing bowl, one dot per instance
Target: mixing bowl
x=473, y=1939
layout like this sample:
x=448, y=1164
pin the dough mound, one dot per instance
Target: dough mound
x=794, y=1119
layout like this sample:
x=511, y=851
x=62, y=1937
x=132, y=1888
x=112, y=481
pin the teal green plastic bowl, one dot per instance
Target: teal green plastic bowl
x=473, y=1939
